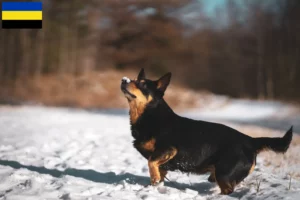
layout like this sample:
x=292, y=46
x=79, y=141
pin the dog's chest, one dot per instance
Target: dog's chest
x=145, y=147
x=148, y=145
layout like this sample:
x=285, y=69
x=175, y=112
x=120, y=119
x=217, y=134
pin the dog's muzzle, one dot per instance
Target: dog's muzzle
x=125, y=81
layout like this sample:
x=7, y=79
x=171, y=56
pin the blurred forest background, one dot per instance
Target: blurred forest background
x=241, y=48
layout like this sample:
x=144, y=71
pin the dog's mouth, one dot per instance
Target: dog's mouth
x=127, y=93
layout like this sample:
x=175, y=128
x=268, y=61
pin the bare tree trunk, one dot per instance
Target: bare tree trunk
x=70, y=28
x=93, y=19
x=260, y=72
x=40, y=53
x=74, y=49
x=270, y=82
x=6, y=54
x=17, y=52
x=2, y=54
x=10, y=54
x=61, y=49
x=25, y=53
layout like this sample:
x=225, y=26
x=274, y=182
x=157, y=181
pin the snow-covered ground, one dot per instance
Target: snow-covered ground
x=56, y=153
x=269, y=114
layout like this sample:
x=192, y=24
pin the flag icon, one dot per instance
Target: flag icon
x=20, y=15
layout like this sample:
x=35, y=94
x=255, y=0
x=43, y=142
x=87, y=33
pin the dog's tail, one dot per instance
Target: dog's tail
x=279, y=145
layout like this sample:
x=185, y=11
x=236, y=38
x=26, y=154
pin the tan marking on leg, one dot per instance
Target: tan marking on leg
x=205, y=170
x=252, y=168
x=154, y=165
x=149, y=145
x=163, y=174
x=262, y=150
x=226, y=187
x=154, y=173
x=212, y=177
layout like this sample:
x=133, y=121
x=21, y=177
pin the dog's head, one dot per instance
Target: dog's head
x=141, y=92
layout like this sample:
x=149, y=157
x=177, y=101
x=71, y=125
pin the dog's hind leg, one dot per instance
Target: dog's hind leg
x=212, y=177
x=158, y=158
x=232, y=169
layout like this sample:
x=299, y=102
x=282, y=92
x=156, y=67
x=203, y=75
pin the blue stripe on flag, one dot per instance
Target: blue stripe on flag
x=21, y=6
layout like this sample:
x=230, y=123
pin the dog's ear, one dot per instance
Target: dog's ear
x=163, y=82
x=141, y=75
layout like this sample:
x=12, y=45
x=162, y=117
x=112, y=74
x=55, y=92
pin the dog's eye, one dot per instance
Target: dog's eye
x=143, y=85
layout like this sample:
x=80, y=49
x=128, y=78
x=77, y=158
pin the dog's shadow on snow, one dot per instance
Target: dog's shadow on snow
x=108, y=177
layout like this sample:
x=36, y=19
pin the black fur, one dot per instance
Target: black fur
x=200, y=145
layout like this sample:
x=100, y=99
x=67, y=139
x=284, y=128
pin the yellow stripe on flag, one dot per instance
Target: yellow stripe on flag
x=22, y=15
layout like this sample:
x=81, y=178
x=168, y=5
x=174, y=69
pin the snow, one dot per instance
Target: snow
x=268, y=114
x=127, y=80
x=242, y=109
x=59, y=153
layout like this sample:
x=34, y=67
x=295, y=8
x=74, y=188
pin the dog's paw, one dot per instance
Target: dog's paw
x=211, y=179
x=158, y=184
x=155, y=181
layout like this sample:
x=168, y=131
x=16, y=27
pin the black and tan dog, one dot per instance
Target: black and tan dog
x=171, y=142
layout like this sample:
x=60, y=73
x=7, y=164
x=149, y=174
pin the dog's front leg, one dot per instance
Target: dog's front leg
x=158, y=158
